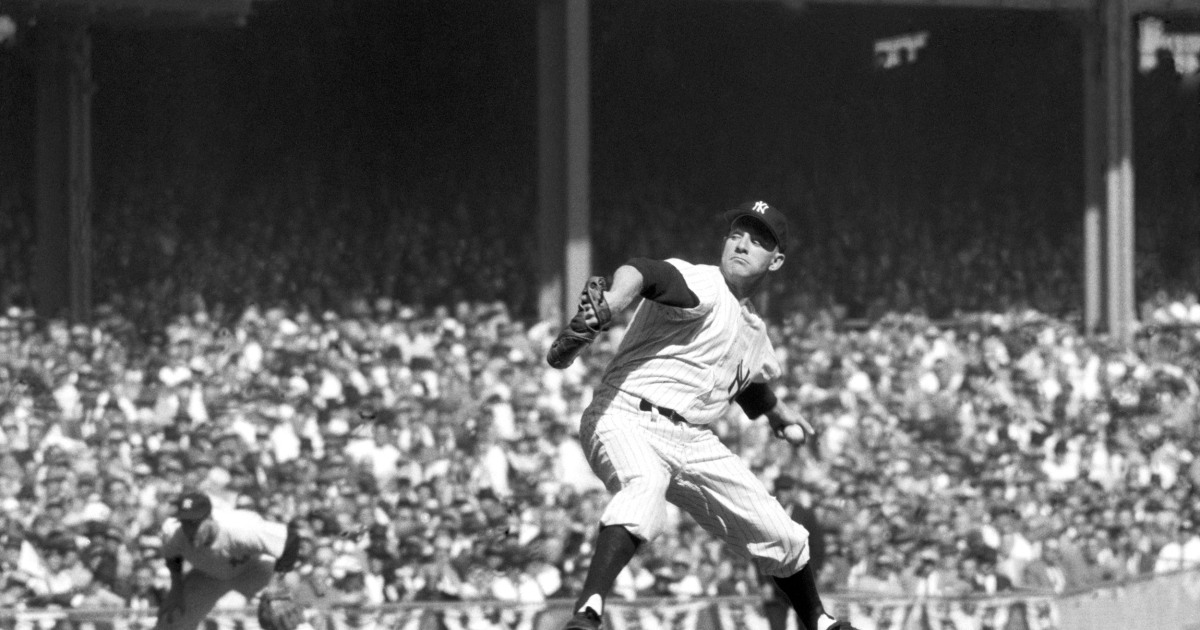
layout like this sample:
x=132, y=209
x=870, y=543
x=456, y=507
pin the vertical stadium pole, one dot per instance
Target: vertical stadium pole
x=1093, y=181
x=1119, y=229
x=62, y=265
x=1109, y=291
x=578, y=263
x=551, y=231
x=564, y=147
x=79, y=186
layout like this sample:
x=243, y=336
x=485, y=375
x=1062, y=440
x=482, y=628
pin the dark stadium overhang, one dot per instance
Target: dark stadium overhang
x=149, y=13
x=60, y=33
x=138, y=14
x=1135, y=6
x=564, y=135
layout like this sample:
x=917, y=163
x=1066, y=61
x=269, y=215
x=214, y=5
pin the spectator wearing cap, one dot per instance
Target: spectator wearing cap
x=1135, y=549
x=1182, y=551
x=882, y=575
x=1014, y=549
x=109, y=561
x=95, y=594
x=635, y=580
x=144, y=592
x=62, y=575
x=229, y=551
x=547, y=575
x=936, y=573
x=511, y=583
x=404, y=582
x=1077, y=571
x=56, y=483
x=1046, y=573
x=378, y=452
x=443, y=581
x=682, y=579
x=985, y=578
x=14, y=435
x=348, y=576
x=375, y=585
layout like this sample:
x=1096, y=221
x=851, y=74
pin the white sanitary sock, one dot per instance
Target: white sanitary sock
x=596, y=604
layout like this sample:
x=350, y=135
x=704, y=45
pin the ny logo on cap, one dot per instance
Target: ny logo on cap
x=186, y=504
x=760, y=207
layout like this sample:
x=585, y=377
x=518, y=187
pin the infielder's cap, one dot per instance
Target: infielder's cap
x=770, y=216
x=193, y=506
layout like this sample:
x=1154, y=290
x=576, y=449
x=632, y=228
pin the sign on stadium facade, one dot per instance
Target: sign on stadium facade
x=892, y=52
x=1184, y=47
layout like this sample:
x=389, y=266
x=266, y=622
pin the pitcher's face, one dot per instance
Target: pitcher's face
x=750, y=252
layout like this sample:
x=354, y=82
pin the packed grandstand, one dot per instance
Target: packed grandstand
x=357, y=348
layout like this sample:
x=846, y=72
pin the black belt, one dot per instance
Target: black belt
x=670, y=414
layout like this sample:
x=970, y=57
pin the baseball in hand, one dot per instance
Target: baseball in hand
x=794, y=434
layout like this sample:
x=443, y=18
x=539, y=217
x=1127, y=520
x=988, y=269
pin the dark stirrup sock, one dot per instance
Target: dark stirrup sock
x=615, y=547
x=801, y=590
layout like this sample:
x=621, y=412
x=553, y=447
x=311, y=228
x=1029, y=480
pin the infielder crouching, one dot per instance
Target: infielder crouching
x=227, y=550
x=694, y=346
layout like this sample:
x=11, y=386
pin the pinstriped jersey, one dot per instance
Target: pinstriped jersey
x=694, y=360
x=242, y=536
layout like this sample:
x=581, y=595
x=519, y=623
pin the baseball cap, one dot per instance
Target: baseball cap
x=770, y=216
x=193, y=506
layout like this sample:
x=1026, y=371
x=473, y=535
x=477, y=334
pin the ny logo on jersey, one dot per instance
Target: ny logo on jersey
x=741, y=379
x=760, y=207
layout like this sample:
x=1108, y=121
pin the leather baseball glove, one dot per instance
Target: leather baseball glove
x=578, y=333
x=277, y=611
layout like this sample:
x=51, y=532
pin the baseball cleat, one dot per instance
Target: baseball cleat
x=586, y=619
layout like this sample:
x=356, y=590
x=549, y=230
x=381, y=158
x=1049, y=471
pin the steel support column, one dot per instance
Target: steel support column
x=564, y=146
x=63, y=267
x=1109, y=300
x=1119, y=224
x=1093, y=178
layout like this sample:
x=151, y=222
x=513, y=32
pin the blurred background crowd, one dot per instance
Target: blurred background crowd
x=433, y=455
x=323, y=307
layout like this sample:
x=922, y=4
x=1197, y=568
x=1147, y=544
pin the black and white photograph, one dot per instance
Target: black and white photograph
x=599, y=314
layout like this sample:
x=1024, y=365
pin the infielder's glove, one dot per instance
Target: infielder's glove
x=278, y=612
x=578, y=334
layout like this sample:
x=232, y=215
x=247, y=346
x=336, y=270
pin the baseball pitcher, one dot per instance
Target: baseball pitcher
x=694, y=347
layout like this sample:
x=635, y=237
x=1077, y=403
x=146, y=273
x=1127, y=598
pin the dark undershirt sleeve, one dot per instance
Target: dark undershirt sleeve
x=291, y=550
x=756, y=399
x=662, y=283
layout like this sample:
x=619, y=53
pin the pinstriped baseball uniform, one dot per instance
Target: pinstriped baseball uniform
x=241, y=559
x=645, y=434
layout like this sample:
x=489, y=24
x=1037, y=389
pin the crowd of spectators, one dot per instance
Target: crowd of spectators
x=433, y=455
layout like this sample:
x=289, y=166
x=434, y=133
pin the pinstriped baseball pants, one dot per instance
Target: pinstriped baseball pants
x=646, y=460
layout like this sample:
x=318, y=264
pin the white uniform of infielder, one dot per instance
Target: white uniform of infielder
x=693, y=347
x=227, y=550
